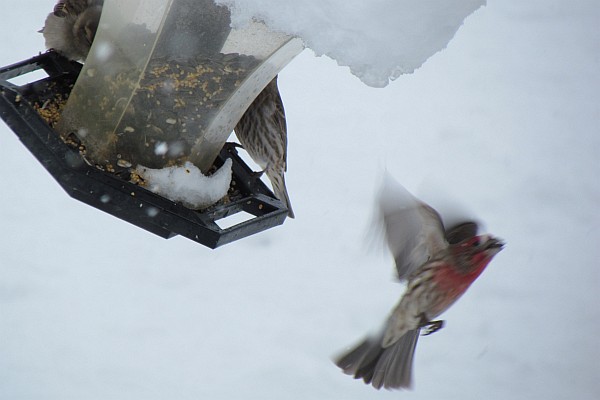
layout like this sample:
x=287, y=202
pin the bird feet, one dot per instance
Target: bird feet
x=432, y=326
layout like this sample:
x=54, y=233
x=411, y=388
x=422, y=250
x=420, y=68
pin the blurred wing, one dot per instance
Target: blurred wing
x=413, y=230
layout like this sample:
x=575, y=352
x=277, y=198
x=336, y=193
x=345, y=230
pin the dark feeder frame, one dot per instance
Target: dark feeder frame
x=109, y=193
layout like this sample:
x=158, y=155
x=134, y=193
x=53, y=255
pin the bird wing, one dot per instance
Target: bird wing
x=279, y=117
x=414, y=231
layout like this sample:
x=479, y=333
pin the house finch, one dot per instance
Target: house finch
x=262, y=132
x=438, y=265
x=71, y=27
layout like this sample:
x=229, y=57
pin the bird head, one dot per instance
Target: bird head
x=473, y=254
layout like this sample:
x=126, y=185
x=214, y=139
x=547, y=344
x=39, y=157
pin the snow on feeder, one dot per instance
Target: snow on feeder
x=164, y=84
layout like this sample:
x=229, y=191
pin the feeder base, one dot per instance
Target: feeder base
x=109, y=191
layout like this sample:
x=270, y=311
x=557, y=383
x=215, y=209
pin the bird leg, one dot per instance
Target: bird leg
x=432, y=326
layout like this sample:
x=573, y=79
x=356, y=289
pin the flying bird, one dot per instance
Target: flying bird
x=438, y=265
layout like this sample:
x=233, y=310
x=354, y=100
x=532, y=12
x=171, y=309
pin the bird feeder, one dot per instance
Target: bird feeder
x=165, y=82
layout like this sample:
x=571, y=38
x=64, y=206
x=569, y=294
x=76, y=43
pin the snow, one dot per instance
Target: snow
x=504, y=121
x=378, y=39
x=187, y=184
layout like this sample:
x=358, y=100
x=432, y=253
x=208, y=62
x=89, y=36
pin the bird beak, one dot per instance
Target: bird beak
x=494, y=245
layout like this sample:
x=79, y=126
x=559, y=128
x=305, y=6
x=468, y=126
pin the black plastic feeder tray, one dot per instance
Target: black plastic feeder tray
x=109, y=192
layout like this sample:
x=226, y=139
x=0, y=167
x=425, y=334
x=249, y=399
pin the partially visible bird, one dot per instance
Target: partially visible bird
x=438, y=264
x=262, y=131
x=71, y=27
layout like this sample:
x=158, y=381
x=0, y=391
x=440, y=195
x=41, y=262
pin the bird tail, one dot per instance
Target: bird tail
x=278, y=181
x=389, y=367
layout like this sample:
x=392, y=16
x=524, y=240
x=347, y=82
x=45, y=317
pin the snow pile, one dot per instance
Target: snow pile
x=378, y=39
x=187, y=184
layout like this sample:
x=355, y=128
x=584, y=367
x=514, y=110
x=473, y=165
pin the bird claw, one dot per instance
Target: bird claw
x=432, y=326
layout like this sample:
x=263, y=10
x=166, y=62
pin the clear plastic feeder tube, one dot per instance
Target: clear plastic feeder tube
x=167, y=80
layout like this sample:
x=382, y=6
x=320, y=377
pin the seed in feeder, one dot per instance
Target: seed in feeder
x=171, y=121
x=123, y=163
x=129, y=129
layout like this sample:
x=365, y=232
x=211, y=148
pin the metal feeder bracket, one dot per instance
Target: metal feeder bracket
x=111, y=193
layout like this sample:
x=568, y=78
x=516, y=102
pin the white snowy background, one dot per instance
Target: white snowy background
x=506, y=120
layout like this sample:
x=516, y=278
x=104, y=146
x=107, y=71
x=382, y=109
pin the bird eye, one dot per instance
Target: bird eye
x=475, y=242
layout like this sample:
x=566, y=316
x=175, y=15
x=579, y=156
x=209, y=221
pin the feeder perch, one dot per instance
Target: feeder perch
x=161, y=73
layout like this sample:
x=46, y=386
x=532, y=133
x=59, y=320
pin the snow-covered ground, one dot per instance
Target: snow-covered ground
x=506, y=121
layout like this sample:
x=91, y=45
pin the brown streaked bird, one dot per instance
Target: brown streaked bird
x=262, y=131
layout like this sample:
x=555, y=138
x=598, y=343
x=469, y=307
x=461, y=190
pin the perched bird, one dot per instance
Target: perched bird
x=71, y=27
x=438, y=265
x=262, y=131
